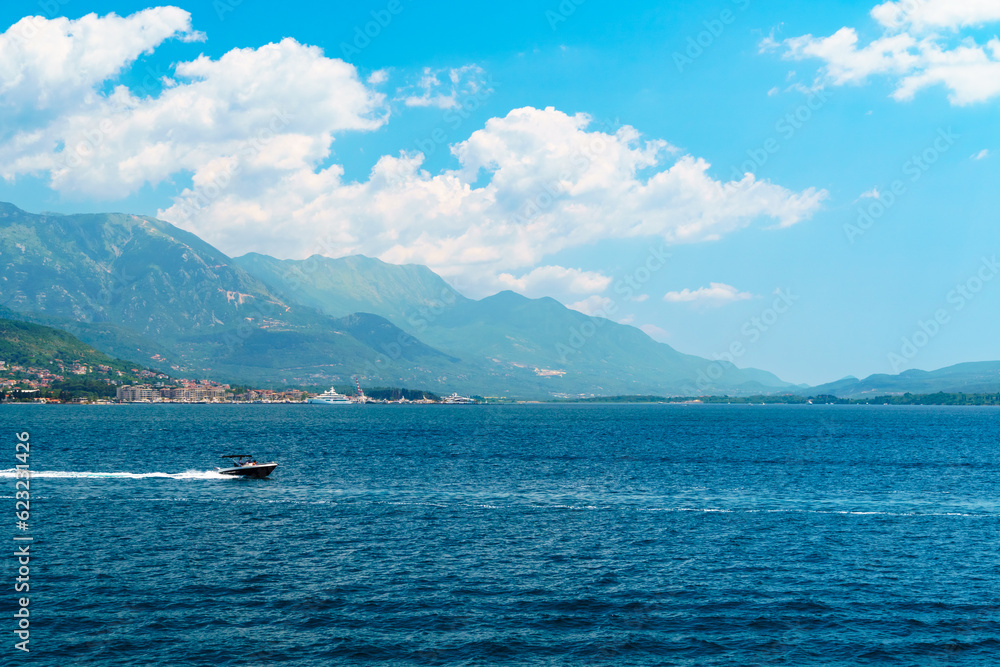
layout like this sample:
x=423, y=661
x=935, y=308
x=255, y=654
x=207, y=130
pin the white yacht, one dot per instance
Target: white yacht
x=331, y=398
x=455, y=399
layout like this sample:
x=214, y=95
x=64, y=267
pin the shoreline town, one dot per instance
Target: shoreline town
x=81, y=383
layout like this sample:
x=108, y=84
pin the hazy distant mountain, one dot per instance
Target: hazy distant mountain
x=981, y=377
x=507, y=334
x=510, y=330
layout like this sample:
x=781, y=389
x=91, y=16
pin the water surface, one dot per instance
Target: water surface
x=531, y=535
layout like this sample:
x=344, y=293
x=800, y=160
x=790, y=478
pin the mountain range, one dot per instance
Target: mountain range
x=504, y=333
x=981, y=377
x=141, y=289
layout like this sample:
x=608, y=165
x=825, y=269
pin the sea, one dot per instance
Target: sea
x=547, y=534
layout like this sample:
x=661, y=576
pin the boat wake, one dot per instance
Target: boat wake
x=58, y=474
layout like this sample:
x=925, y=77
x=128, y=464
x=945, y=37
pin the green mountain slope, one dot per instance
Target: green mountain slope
x=402, y=294
x=134, y=271
x=27, y=344
x=146, y=290
x=37, y=353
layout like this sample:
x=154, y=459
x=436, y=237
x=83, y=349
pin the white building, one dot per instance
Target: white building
x=142, y=392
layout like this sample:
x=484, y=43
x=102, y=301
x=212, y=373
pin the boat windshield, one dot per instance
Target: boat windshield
x=240, y=460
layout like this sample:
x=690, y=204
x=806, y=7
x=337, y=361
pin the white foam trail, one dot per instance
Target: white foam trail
x=57, y=474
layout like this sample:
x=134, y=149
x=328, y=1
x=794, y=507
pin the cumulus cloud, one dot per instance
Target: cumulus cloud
x=981, y=155
x=254, y=130
x=378, y=77
x=442, y=88
x=52, y=63
x=714, y=294
x=847, y=63
x=912, y=51
x=922, y=15
x=549, y=280
x=595, y=306
x=971, y=73
x=208, y=117
x=527, y=186
x=655, y=332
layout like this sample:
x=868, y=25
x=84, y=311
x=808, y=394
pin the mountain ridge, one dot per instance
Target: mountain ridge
x=145, y=288
x=970, y=377
x=507, y=330
x=160, y=295
x=356, y=283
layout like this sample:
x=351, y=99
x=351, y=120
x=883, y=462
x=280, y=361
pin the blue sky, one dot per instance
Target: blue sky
x=554, y=149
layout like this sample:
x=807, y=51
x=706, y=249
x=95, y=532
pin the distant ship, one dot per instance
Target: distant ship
x=331, y=398
x=455, y=399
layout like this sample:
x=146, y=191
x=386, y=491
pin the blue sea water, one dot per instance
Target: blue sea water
x=528, y=535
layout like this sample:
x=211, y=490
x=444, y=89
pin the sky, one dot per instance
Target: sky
x=807, y=188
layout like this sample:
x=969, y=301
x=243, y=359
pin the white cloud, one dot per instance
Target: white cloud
x=931, y=14
x=442, y=88
x=552, y=280
x=655, y=332
x=251, y=111
x=971, y=73
x=714, y=294
x=847, y=63
x=595, y=306
x=378, y=77
x=769, y=43
x=254, y=129
x=911, y=52
x=55, y=63
x=870, y=194
x=550, y=185
x=981, y=155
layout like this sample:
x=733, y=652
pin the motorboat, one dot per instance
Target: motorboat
x=244, y=465
x=331, y=397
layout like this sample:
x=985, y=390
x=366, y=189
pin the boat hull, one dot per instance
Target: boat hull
x=256, y=472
